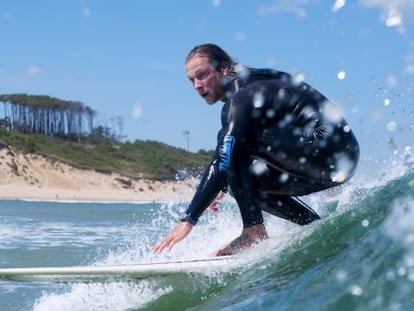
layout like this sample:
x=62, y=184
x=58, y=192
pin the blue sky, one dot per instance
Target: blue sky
x=125, y=59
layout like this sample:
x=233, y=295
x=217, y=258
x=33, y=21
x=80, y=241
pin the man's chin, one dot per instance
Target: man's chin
x=210, y=101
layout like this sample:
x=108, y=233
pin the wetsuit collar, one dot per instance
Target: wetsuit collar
x=233, y=83
x=244, y=75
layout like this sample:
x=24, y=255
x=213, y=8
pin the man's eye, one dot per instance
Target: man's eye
x=201, y=75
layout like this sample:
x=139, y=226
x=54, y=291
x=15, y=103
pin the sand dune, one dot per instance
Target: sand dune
x=30, y=176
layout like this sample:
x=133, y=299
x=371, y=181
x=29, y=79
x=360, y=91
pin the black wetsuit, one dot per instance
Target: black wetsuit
x=280, y=138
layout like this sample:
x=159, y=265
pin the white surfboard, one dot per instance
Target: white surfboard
x=119, y=273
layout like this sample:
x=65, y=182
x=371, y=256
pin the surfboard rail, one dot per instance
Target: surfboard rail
x=108, y=273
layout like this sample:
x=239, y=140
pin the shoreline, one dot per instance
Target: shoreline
x=33, y=177
x=163, y=193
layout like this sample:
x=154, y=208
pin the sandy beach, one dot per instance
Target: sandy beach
x=30, y=176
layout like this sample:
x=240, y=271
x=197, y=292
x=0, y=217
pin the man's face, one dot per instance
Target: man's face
x=206, y=80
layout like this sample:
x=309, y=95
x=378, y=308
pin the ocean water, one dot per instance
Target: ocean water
x=360, y=256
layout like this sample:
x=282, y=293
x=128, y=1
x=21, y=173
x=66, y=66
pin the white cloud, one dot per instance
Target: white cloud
x=297, y=7
x=32, y=71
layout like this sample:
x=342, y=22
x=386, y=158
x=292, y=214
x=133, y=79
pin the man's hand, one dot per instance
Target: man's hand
x=214, y=206
x=179, y=232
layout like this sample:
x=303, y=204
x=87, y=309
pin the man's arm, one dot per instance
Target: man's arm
x=213, y=207
x=213, y=181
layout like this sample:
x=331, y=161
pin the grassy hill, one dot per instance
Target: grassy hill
x=139, y=159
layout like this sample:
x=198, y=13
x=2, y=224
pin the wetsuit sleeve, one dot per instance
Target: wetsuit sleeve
x=215, y=176
x=214, y=179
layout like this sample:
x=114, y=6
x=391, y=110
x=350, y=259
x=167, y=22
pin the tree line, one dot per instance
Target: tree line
x=41, y=114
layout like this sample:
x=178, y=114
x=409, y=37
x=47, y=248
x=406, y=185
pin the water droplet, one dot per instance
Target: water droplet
x=332, y=112
x=339, y=4
x=341, y=276
x=216, y=3
x=338, y=177
x=242, y=71
x=258, y=167
x=281, y=94
x=32, y=70
x=258, y=100
x=343, y=166
x=392, y=80
x=356, y=290
x=390, y=276
x=341, y=75
x=240, y=36
x=298, y=78
x=409, y=68
x=402, y=271
x=393, y=20
x=284, y=177
x=302, y=160
x=137, y=110
x=270, y=113
x=391, y=126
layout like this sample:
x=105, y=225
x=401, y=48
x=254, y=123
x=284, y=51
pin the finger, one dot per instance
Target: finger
x=166, y=243
x=156, y=248
x=159, y=247
x=170, y=245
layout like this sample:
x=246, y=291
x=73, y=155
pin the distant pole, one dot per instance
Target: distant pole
x=186, y=134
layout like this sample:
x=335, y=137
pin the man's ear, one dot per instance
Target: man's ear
x=224, y=71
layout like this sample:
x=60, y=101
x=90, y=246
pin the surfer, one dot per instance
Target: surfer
x=280, y=138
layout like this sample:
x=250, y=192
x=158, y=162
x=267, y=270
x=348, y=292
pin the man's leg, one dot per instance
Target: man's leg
x=290, y=208
x=243, y=186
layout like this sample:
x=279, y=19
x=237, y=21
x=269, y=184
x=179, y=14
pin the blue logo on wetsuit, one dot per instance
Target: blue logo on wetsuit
x=225, y=152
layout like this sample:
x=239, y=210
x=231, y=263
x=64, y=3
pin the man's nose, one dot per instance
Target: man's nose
x=197, y=84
